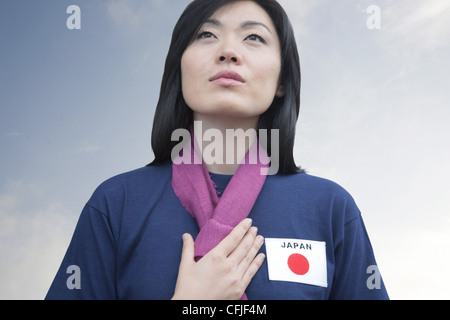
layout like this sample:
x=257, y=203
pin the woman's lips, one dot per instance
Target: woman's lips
x=227, y=78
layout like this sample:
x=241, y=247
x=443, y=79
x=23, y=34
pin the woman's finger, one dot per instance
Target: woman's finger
x=230, y=242
x=252, y=269
x=241, y=251
x=251, y=254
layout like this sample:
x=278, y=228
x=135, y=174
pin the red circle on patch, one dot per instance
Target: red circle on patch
x=298, y=264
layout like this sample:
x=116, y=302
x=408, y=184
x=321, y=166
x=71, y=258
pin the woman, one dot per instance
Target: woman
x=232, y=65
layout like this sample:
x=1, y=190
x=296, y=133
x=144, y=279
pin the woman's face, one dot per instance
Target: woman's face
x=232, y=67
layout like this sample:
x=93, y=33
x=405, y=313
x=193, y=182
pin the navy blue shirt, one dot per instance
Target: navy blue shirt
x=127, y=243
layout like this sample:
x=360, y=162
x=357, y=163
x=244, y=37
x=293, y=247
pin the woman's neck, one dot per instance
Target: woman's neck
x=237, y=136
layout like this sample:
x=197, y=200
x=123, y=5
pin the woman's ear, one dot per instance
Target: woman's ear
x=280, y=92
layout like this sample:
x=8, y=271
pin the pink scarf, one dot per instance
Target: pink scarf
x=217, y=217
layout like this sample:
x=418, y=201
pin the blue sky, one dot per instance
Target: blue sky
x=77, y=108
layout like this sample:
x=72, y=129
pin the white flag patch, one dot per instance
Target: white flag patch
x=297, y=260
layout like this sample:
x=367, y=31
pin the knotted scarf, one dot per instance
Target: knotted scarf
x=216, y=217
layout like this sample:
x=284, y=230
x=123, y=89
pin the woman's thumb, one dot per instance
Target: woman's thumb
x=187, y=254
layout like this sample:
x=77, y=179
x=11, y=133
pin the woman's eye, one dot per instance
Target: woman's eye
x=255, y=37
x=205, y=35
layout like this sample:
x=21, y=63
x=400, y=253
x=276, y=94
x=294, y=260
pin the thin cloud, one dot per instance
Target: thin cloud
x=33, y=239
x=15, y=134
x=124, y=14
x=134, y=18
x=412, y=29
x=87, y=147
x=298, y=11
x=418, y=272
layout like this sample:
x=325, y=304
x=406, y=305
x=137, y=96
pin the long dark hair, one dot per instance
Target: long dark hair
x=173, y=113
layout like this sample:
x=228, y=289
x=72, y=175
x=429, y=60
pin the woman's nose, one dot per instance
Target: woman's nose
x=229, y=55
x=223, y=58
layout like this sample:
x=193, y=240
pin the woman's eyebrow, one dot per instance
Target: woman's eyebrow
x=213, y=22
x=250, y=23
x=245, y=24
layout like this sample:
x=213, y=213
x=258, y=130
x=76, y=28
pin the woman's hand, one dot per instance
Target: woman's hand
x=225, y=271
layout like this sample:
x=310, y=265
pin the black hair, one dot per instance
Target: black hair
x=173, y=113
